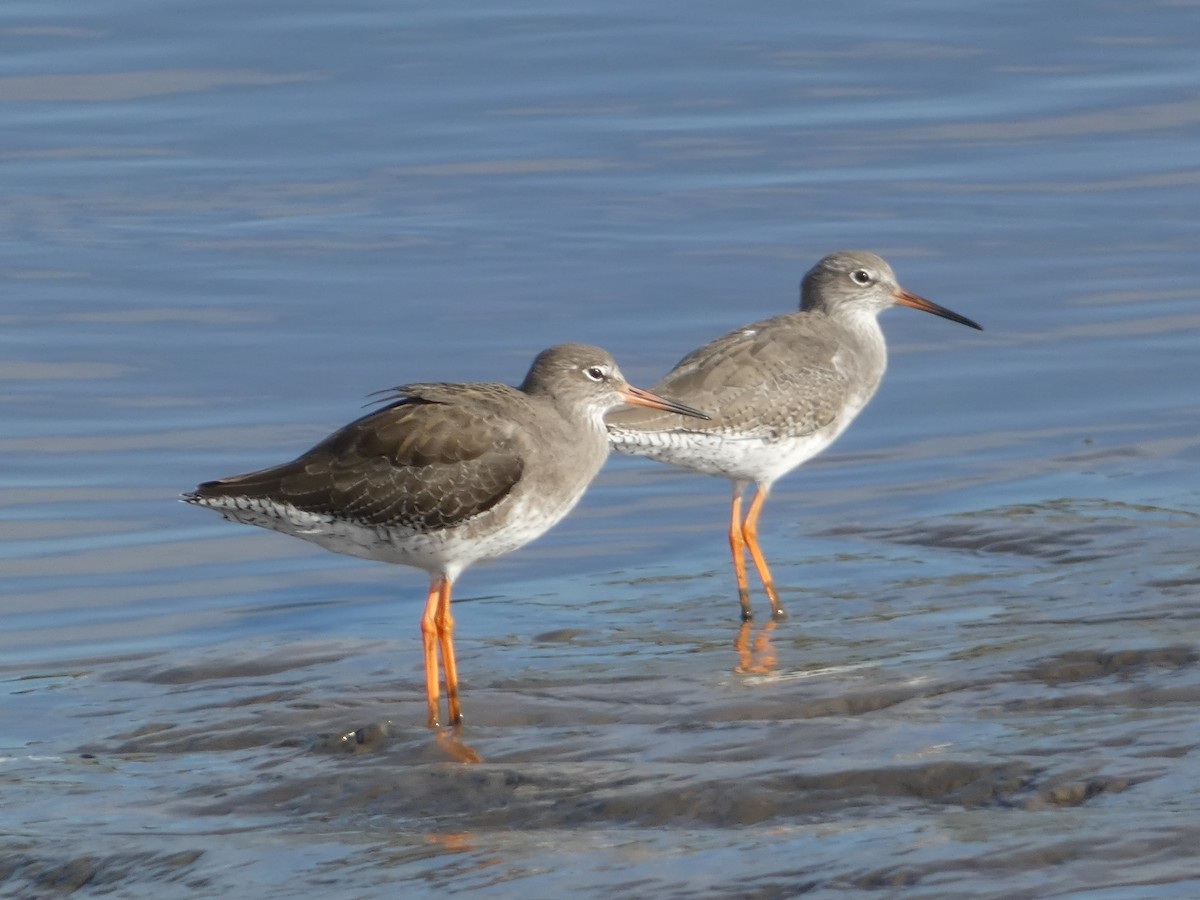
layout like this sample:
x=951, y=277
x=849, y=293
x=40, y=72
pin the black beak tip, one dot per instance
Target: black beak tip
x=694, y=413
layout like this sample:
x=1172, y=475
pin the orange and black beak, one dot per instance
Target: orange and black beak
x=904, y=298
x=638, y=397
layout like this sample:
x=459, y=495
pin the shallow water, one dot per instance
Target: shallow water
x=225, y=226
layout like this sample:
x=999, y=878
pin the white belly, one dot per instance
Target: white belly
x=741, y=458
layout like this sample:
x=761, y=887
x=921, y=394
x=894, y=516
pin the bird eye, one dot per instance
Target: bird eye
x=596, y=373
x=861, y=276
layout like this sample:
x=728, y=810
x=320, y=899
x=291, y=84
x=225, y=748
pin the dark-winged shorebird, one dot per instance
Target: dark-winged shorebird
x=778, y=392
x=446, y=475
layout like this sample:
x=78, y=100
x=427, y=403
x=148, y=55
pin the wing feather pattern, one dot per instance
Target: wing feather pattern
x=757, y=380
x=436, y=456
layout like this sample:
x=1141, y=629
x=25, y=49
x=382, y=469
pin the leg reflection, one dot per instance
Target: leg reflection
x=448, y=739
x=756, y=653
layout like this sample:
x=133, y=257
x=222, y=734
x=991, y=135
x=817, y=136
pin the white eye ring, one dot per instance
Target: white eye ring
x=596, y=373
x=860, y=277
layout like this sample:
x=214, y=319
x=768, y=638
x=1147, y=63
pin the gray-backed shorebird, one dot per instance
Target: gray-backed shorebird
x=778, y=392
x=446, y=475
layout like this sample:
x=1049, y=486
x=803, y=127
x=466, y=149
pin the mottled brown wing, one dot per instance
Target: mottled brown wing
x=438, y=456
x=761, y=378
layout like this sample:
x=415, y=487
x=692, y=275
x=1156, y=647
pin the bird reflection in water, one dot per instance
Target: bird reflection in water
x=756, y=653
x=448, y=739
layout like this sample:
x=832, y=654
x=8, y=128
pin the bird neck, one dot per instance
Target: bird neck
x=587, y=419
x=867, y=339
x=583, y=419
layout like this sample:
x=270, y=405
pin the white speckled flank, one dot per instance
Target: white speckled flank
x=446, y=551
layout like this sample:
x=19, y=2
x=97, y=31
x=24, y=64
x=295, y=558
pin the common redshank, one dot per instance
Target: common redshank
x=446, y=475
x=778, y=392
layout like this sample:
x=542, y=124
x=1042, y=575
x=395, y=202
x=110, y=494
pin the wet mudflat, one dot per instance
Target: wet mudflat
x=1019, y=726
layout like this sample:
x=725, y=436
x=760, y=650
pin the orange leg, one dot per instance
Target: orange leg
x=445, y=632
x=750, y=536
x=429, y=639
x=738, y=545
